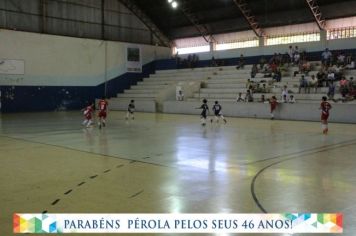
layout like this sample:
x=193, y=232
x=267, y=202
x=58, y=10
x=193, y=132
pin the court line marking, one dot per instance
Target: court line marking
x=293, y=156
x=136, y=194
x=252, y=183
x=84, y=151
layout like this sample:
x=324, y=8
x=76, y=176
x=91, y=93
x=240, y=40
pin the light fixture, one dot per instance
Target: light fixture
x=174, y=4
x=169, y=1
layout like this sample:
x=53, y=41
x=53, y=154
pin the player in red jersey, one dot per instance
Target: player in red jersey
x=325, y=108
x=273, y=102
x=103, y=107
x=88, y=114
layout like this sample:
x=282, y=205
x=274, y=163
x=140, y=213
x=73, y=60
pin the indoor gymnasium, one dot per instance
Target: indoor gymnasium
x=178, y=107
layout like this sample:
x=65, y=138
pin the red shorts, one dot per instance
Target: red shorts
x=102, y=114
x=88, y=116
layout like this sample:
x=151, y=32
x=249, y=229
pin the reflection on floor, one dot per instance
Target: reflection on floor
x=169, y=163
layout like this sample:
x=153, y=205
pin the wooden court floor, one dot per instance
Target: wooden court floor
x=162, y=163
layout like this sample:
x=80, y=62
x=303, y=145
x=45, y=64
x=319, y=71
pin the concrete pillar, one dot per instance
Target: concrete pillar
x=261, y=41
x=212, y=46
x=323, y=41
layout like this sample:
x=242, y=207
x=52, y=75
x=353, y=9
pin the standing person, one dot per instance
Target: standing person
x=217, y=112
x=284, y=95
x=103, y=107
x=130, y=110
x=273, y=103
x=325, y=108
x=204, y=113
x=88, y=114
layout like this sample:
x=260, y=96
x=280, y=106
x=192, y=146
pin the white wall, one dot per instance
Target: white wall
x=297, y=111
x=66, y=61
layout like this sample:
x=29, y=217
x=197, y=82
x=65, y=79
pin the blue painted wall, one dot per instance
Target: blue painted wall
x=51, y=98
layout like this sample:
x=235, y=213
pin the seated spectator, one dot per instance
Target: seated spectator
x=331, y=76
x=303, y=83
x=326, y=57
x=341, y=59
x=249, y=96
x=344, y=87
x=348, y=59
x=291, y=99
x=180, y=96
x=256, y=89
x=254, y=71
x=262, y=62
x=239, y=98
x=264, y=89
x=248, y=83
x=277, y=76
x=313, y=83
x=241, y=62
x=262, y=99
x=352, y=88
x=350, y=62
x=321, y=77
x=304, y=67
x=352, y=84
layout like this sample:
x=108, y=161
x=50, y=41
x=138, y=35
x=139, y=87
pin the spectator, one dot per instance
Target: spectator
x=254, y=71
x=331, y=91
x=239, y=98
x=248, y=83
x=284, y=99
x=291, y=99
x=290, y=53
x=262, y=99
x=277, y=75
x=180, y=96
x=321, y=77
x=262, y=62
x=326, y=57
x=284, y=93
x=264, y=89
x=249, y=96
x=344, y=87
x=296, y=58
x=330, y=76
x=304, y=67
x=303, y=83
x=313, y=83
x=241, y=62
x=351, y=83
x=341, y=60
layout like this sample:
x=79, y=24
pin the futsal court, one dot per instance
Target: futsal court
x=161, y=163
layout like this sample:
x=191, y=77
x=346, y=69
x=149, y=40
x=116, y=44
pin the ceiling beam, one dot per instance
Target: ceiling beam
x=164, y=40
x=314, y=8
x=250, y=18
x=201, y=28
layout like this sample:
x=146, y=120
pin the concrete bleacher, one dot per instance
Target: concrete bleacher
x=216, y=83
